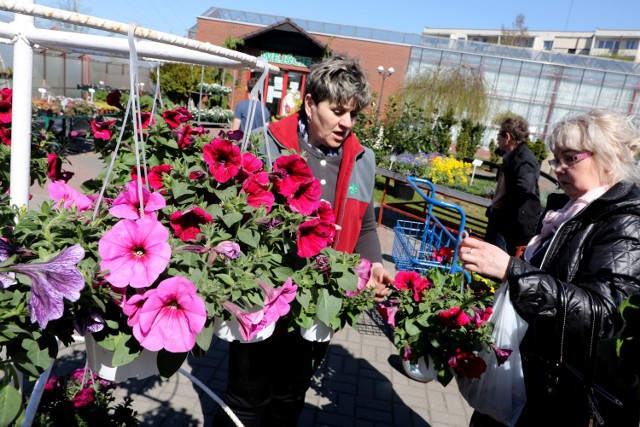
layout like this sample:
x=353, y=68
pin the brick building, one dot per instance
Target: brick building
x=291, y=48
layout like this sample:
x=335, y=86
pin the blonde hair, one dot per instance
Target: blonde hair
x=611, y=136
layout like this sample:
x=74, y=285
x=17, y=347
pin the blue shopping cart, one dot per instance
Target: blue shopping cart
x=415, y=243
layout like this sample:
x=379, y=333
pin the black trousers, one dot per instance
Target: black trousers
x=268, y=380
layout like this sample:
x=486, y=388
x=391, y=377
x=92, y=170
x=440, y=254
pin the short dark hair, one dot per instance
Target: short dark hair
x=253, y=81
x=338, y=79
x=517, y=127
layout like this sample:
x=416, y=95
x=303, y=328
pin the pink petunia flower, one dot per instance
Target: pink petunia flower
x=171, y=317
x=186, y=225
x=102, y=130
x=306, y=197
x=131, y=307
x=277, y=300
x=127, y=203
x=224, y=159
x=5, y=112
x=85, y=397
x=134, y=252
x=388, y=313
x=250, y=322
x=313, y=236
x=481, y=316
x=502, y=354
x=5, y=135
x=69, y=197
x=289, y=171
x=442, y=254
x=364, y=274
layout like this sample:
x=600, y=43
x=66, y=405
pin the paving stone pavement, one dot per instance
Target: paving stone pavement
x=359, y=384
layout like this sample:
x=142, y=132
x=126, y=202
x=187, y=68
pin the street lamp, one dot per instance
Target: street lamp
x=384, y=75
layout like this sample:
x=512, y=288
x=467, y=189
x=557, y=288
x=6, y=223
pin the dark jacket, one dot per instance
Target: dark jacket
x=592, y=263
x=353, y=202
x=518, y=216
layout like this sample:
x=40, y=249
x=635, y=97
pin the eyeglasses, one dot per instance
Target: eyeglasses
x=569, y=161
x=503, y=133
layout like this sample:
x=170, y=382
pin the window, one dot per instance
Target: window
x=547, y=44
x=608, y=44
x=631, y=44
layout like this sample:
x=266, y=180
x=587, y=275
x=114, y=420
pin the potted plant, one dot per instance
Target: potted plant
x=440, y=321
x=209, y=231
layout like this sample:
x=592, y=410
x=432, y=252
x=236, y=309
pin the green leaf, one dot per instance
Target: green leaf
x=169, y=363
x=10, y=404
x=126, y=350
x=250, y=237
x=328, y=306
x=231, y=218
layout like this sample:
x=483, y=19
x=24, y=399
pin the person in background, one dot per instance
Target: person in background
x=268, y=380
x=574, y=276
x=261, y=116
x=515, y=208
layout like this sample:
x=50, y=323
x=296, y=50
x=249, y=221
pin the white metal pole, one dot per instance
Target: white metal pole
x=20, y=175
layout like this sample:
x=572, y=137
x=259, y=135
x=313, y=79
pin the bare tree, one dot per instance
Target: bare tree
x=517, y=35
x=70, y=5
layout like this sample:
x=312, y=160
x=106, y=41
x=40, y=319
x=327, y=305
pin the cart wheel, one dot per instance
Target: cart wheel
x=418, y=371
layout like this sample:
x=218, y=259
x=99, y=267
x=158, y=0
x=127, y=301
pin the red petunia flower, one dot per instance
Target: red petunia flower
x=175, y=117
x=54, y=169
x=313, y=236
x=155, y=175
x=306, y=198
x=467, y=364
x=224, y=159
x=5, y=112
x=289, y=171
x=5, y=134
x=411, y=280
x=102, y=130
x=186, y=225
x=454, y=317
x=257, y=188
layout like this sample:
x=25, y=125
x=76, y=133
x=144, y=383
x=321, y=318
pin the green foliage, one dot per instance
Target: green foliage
x=461, y=90
x=442, y=132
x=469, y=139
x=539, y=149
x=493, y=155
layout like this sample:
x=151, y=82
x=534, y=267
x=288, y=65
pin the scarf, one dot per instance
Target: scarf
x=554, y=219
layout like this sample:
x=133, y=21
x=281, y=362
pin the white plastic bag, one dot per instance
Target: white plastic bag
x=500, y=391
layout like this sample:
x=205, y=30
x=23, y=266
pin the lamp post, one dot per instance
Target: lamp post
x=384, y=75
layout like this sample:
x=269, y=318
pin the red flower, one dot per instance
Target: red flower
x=85, y=397
x=388, y=313
x=5, y=112
x=186, y=225
x=184, y=136
x=234, y=135
x=250, y=165
x=196, y=175
x=467, y=364
x=257, y=188
x=6, y=94
x=481, y=316
x=289, y=172
x=325, y=212
x=147, y=119
x=5, y=134
x=410, y=280
x=113, y=99
x=54, y=169
x=223, y=158
x=454, y=317
x=306, y=198
x=443, y=254
x=155, y=175
x=313, y=236
x=102, y=130
x=176, y=116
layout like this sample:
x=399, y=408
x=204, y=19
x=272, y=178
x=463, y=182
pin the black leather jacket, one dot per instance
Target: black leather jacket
x=593, y=261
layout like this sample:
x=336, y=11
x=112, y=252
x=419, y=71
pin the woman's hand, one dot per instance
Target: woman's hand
x=484, y=258
x=379, y=280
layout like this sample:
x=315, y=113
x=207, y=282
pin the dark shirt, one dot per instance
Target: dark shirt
x=260, y=116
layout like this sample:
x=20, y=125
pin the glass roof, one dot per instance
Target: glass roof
x=420, y=40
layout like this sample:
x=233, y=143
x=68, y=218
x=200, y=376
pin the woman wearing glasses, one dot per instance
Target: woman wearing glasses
x=575, y=274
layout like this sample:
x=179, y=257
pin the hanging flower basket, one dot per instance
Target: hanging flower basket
x=423, y=371
x=229, y=330
x=318, y=332
x=100, y=361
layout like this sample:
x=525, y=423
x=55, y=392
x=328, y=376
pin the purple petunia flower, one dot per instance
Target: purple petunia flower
x=51, y=281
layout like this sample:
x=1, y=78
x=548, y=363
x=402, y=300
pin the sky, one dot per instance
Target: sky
x=410, y=16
